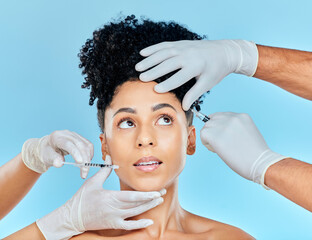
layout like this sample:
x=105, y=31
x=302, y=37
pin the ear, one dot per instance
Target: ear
x=191, y=141
x=104, y=147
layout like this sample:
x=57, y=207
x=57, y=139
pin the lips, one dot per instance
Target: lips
x=147, y=164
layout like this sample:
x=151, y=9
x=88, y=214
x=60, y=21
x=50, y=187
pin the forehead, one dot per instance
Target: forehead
x=138, y=94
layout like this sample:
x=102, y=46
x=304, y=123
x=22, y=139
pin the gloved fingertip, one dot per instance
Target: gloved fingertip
x=159, y=89
x=186, y=103
x=143, y=53
x=108, y=159
x=58, y=163
x=210, y=148
x=78, y=159
x=84, y=172
x=138, y=67
x=163, y=192
x=143, y=77
x=186, y=106
x=148, y=222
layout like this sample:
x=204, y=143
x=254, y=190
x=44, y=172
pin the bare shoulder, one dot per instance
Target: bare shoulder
x=212, y=229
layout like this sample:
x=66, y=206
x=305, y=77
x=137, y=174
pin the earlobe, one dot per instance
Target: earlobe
x=191, y=146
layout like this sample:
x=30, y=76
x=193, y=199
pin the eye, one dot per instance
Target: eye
x=125, y=123
x=165, y=120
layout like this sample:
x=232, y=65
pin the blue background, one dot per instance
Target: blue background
x=40, y=92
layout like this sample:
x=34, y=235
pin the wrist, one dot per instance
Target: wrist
x=57, y=224
x=248, y=54
x=272, y=174
x=262, y=164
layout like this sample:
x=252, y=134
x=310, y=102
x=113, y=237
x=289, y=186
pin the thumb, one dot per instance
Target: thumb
x=59, y=161
x=108, y=160
x=205, y=137
x=103, y=173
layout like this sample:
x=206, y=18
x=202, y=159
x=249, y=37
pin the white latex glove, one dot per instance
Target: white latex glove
x=208, y=61
x=238, y=142
x=93, y=208
x=39, y=154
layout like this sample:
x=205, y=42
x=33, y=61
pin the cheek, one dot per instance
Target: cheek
x=121, y=149
x=173, y=142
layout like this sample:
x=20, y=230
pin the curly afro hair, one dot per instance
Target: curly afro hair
x=109, y=58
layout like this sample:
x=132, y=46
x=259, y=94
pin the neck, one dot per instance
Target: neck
x=166, y=216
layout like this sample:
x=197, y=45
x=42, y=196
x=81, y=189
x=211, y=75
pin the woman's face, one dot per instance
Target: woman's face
x=147, y=135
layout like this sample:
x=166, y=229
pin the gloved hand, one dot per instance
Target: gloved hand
x=238, y=142
x=93, y=207
x=208, y=61
x=39, y=154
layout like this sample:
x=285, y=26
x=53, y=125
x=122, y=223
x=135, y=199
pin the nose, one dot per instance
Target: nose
x=146, y=138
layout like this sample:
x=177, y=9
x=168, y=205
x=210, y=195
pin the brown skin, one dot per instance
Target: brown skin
x=30, y=232
x=292, y=179
x=150, y=133
x=286, y=68
x=292, y=71
x=15, y=182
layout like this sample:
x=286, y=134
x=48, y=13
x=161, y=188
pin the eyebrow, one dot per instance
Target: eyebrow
x=154, y=108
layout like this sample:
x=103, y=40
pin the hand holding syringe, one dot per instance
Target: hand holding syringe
x=87, y=164
x=94, y=207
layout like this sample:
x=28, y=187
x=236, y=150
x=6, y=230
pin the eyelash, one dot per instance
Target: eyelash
x=162, y=115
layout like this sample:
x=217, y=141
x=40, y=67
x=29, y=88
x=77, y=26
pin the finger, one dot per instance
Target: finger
x=143, y=208
x=215, y=115
x=210, y=148
x=72, y=149
x=160, y=70
x=75, y=145
x=193, y=94
x=87, y=147
x=132, y=224
x=58, y=161
x=154, y=48
x=108, y=160
x=54, y=158
x=222, y=115
x=84, y=150
x=174, y=81
x=84, y=172
x=134, y=196
x=163, y=192
x=153, y=60
x=206, y=137
x=100, y=177
x=130, y=205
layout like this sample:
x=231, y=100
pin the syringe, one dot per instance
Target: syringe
x=100, y=165
x=201, y=116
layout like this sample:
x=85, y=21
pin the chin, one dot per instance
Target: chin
x=145, y=184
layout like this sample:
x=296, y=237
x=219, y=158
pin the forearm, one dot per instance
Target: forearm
x=286, y=68
x=292, y=179
x=29, y=232
x=15, y=182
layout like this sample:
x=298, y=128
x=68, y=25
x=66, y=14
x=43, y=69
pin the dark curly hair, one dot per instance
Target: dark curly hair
x=109, y=58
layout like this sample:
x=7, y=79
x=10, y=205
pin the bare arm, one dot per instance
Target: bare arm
x=29, y=232
x=292, y=179
x=286, y=68
x=15, y=182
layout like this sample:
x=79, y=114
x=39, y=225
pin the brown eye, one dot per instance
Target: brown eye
x=126, y=124
x=164, y=120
